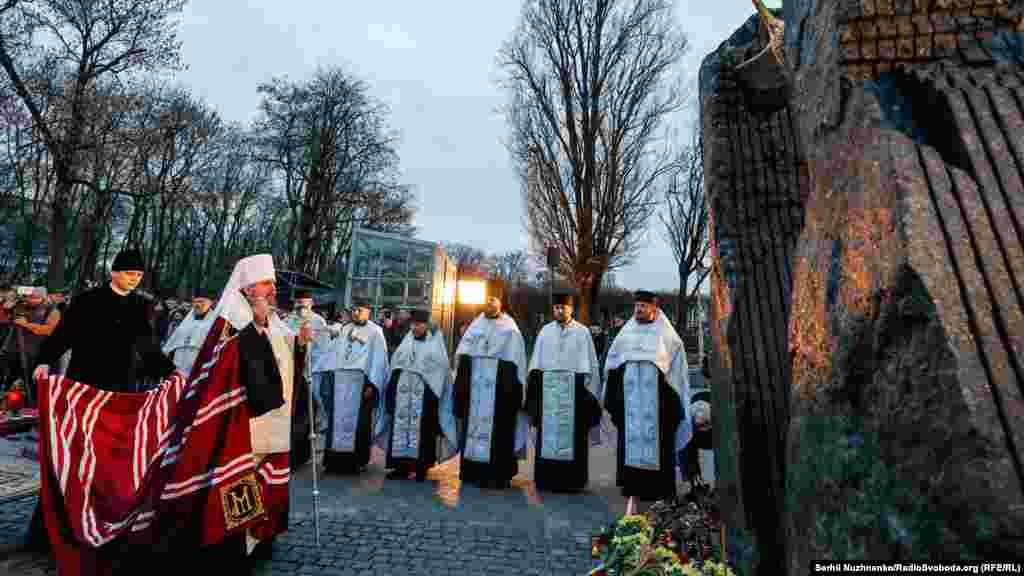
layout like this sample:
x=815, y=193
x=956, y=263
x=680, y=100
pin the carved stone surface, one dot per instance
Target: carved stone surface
x=868, y=285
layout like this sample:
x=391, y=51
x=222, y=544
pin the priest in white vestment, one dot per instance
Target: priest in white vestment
x=187, y=338
x=358, y=361
x=303, y=315
x=647, y=391
x=562, y=400
x=488, y=398
x=418, y=402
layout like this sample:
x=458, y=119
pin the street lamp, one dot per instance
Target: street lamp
x=472, y=292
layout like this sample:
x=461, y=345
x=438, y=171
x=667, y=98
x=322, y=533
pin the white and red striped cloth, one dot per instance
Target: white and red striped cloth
x=139, y=467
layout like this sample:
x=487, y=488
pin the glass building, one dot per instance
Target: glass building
x=397, y=273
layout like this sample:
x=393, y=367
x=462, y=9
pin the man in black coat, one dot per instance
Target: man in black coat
x=111, y=341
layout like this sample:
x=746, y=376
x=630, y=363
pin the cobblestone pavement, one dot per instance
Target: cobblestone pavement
x=370, y=525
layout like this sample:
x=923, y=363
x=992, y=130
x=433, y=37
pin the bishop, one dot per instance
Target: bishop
x=270, y=370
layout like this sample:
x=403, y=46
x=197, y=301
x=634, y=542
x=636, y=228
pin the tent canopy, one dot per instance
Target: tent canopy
x=290, y=282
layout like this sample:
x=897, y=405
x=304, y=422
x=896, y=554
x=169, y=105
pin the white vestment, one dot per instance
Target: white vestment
x=487, y=341
x=560, y=353
x=187, y=338
x=646, y=350
x=318, y=347
x=423, y=364
x=358, y=352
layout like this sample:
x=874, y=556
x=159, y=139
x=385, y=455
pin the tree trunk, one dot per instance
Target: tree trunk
x=681, y=298
x=307, y=218
x=90, y=250
x=58, y=229
x=106, y=256
x=91, y=236
x=159, y=250
x=588, y=291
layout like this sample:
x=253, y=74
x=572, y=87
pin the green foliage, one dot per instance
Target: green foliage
x=635, y=547
x=860, y=500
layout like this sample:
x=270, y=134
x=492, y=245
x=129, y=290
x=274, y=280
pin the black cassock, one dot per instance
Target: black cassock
x=350, y=462
x=508, y=400
x=301, y=449
x=111, y=342
x=429, y=429
x=558, y=475
x=645, y=484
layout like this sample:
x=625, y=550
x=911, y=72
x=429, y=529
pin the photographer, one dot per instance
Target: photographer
x=34, y=318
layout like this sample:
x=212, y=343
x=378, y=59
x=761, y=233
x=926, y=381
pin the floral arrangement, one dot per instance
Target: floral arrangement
x=675, y=538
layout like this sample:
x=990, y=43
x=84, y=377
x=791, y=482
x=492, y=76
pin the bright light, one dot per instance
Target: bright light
x=472, y=292
x=448, y=296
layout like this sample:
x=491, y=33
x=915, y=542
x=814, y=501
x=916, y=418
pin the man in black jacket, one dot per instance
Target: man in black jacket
x=111, y=341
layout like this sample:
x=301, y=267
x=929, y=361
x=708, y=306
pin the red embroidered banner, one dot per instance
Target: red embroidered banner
x=143, y=468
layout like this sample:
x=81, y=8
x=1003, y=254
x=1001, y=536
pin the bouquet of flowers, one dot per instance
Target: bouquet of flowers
x=675, y=538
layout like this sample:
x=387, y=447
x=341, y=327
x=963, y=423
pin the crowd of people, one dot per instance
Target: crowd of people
x=388, y=383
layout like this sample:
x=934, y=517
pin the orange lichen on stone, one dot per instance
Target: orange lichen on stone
x=721, y=299
x=811, y=343
x=870, y=233
x=720, y=315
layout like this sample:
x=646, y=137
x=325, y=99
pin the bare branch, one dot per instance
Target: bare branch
x=685, y=223
x=590, y=84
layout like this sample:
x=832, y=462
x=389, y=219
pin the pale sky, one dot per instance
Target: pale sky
x=433, y=63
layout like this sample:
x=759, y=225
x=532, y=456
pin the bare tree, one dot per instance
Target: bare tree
x=334, y=157
x=173, y=133
x=590, y=84
x=25, y=176
x=512, y=266
x=685, y=221
x=466, y=257
x=82, y=42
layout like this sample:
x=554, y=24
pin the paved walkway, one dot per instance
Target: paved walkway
x=370, y=525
